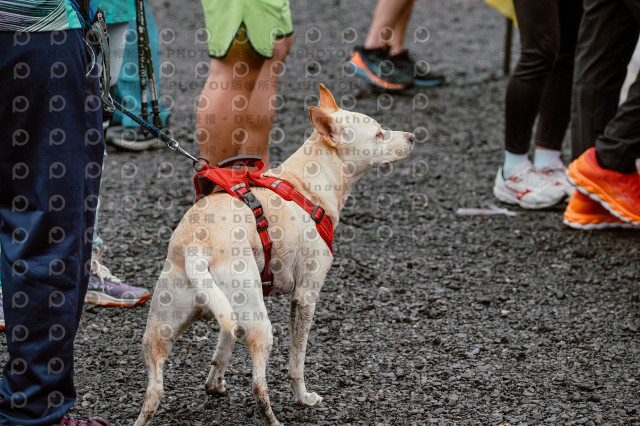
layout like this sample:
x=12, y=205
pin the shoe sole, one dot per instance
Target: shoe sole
x=101, y=299
x=427, y=83
x=598, y=225
x=590, y=222
x=591, y=190
x=508, y=198
x=364, y=72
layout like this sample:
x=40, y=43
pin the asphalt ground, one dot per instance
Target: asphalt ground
x=426, y=317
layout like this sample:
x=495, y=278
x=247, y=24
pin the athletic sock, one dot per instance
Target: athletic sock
x=546, y=158
x=511, y=163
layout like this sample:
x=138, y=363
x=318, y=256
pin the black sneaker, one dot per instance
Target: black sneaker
x=419, y=71
x=378, y=68
x=131, y=138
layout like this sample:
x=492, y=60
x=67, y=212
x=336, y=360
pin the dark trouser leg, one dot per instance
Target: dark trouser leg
x=619, y=146
x=540, y=39
x=607, y=37
x=51, y=149
x=555, y=106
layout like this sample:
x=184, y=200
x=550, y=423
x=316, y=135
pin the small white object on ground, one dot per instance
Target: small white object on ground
x=492, y=210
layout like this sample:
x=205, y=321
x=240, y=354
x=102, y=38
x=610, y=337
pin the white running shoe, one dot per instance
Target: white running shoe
x=529, y=188
x=559, y=172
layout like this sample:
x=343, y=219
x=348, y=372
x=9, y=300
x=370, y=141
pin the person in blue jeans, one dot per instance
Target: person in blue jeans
x=106, y=289
x=50, y=165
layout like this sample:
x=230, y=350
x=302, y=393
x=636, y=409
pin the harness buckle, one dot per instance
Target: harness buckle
x=262, y=224
x=313, y=214
x=250, y=200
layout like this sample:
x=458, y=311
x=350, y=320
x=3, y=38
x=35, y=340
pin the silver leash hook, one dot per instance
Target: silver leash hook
x=170, y=142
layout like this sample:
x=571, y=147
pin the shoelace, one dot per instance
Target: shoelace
x=101, y=271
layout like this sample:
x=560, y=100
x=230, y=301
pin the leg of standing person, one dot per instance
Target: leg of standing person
x=105, y=289
x=389, y=18
x=382, y=60
x=396, y=46
x=262, y=105
x=555, y=105
x=126, y=133
x=247, y=44
x=619, y=146
x=224, y=102
x=116, y=33
x=600, y=68
x=607, y=175
x=518, y=182
x=50, y=166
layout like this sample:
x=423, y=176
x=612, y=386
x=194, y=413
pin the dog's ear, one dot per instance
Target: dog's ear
x=324, y=125
x=327, y=103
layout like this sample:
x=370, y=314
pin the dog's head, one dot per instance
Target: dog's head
x=358, y=140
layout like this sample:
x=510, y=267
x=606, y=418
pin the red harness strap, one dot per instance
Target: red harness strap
x=235, y=182
x=324, y=225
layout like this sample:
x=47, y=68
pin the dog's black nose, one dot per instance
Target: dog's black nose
x=411, y=137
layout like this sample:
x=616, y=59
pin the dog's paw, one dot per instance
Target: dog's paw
x=310, y=398
x=216, y=388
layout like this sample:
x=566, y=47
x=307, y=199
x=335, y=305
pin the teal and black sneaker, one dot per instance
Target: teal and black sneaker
x=379, y=69
x=418, y=71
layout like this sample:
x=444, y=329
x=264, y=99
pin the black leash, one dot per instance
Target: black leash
x=173, y=144
x=145, y=68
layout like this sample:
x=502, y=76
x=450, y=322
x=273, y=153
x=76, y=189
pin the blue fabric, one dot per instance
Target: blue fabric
x=51, y=148
x=128, y=84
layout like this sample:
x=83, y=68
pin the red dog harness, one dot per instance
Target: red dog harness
x=235, y=181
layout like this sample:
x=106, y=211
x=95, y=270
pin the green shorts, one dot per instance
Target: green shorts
x=263, y=20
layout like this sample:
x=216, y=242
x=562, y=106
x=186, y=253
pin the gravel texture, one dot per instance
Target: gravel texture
x=426, y=317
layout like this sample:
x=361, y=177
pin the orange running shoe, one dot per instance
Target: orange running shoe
x=584, y=213
x=617, y=192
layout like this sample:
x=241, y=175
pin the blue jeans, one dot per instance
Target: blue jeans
x=51, y=148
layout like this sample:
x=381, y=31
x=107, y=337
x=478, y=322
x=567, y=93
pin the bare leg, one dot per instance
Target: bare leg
x=222, y=109
x=390, y=17
x=301, y=317
x=215, y=383
x=401, y=29
x=262, y=105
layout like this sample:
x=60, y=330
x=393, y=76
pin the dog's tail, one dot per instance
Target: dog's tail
x=197, y=269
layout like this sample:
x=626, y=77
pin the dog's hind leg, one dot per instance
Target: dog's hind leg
x=259, y=339
x=300, y=319
x=172, y=311
x=215, y=383
x=200, y=276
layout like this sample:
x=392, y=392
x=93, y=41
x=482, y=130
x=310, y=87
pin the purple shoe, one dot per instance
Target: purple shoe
x=85, y=421
x=105, y=289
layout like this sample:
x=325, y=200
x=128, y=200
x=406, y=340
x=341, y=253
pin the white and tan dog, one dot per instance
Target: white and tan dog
x=215, y=256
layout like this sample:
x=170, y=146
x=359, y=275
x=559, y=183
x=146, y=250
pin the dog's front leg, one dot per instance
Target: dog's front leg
x=299, y=325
